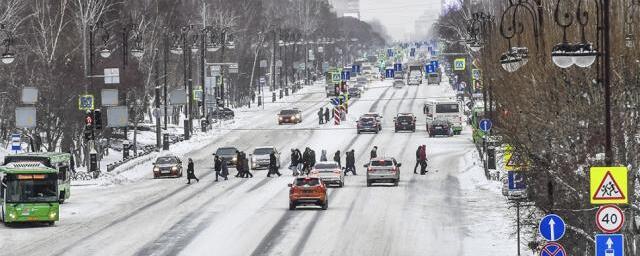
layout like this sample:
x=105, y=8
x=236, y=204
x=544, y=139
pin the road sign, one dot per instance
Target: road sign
x=459, y=64
x=389, y=52
x=117, y=116
x=608, y=185
x=553, y=249
x=609, y=245
x=336, y=77
x=263, y=81
x=413, y=52
x=512, y=160
x=610, y=218
x=430, y=69
x=552, y=227
x=86, y=102
x=178, y=97
x=389, y=73
x=29, y=95
x=485, y=125
x=335, y=101
x=517, y=180
x=397, y=67
x=435, y=64
x=26, y=117
x=111, y=76
x=216, y=70
x=16, y=142
x=263, y=63
x=476, y=74
x=325, y=67
x=346, y=75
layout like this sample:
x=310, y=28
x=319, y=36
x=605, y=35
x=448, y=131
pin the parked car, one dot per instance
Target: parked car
x=440, y=127
x=291, y=116
x=355, y=92
x=167, y=166
x=329, y=173
x=368, y=124
x=308, y=191
x=228, y=154
x=260, y=157
x=405, y=122
x=221, y=113
x=383, y=170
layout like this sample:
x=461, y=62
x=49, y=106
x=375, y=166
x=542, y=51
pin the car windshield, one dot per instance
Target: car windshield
x=405, y=119
x=382, y=163
x=166, y=160
x=307, y=182
x=226, y=151
x=262, y=151
x=366, y=120
x=326, y=167
x=288, y=112
x=32, y=188
x=447, y=108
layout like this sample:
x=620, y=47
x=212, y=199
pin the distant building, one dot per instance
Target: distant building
x=346, y=8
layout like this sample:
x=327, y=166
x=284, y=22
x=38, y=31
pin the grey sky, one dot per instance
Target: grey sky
x=399, y=16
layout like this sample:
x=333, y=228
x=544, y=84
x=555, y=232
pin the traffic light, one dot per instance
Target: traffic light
x=88, y=120
x=97, y=119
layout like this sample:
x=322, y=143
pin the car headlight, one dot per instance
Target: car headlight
x=12, y=216
x=293, y=118
x=175, y=168
x=234, y=159
x=52, y=215
x=279, y=118
x=156, y=169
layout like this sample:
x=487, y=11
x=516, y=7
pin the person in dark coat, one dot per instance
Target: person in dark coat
x=350, y=162
x=312, y=160
x=217, y=166
x=336, y=158
x=300, y=162
x=294, y=162
x=239, y=164
x=415, y=168
x=273, y=165
x=224, y=170
x=191, y=174
x=320, y=116
x=374, y=152
x=326, y=115
x=306, y=159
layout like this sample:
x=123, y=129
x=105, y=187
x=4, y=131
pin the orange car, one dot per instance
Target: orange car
x=308, y=191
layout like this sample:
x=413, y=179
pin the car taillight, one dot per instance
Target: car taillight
x=394, y=169
x=337, y=171
x=369, y=170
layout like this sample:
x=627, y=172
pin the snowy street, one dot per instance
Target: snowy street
x=450, y=211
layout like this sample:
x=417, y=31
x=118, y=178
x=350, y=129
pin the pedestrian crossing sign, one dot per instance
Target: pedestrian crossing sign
x=512, y=160
x=460, y=64
x=608, y=185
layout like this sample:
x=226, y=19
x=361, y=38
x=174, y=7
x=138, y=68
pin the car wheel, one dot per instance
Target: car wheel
x=359, y=132
x=396, y=183
x=368, y=183
x=341, y=184
x=325, y=206
x=51, y=223
x=396, y=130
x=292, y=206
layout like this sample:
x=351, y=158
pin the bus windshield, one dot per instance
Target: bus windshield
x=32, y=188
x=447, y=108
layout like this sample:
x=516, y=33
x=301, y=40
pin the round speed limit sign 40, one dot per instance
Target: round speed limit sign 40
x=610, y=218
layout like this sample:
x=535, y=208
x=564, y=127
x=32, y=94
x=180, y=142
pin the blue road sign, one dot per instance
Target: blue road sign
x=389, y=73
x=430, y=69
x=389, y=52
x=346, y=75
x=335, y=101
x=517, y=180
x=553, y=249
x=485, y=125
x=413, y=52
x=552, y=228
x=609, y=245
x=16, y=142
x=397, y=67
x=435, y=63
x=430, y=49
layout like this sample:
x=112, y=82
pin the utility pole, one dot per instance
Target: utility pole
x=164, y=76
x=157, y=100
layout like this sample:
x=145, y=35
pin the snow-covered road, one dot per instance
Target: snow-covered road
x=449, y=211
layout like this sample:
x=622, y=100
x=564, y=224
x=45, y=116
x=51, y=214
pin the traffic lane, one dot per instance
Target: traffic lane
x=111, y=205
x=266, y=226
x=300, y=225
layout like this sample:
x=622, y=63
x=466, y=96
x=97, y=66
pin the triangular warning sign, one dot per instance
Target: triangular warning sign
x=515, y=161
x=608, y=189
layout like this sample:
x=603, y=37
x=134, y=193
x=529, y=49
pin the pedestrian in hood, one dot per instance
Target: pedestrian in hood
x=217, y=166
x=273, y=165
x=239, y=165
x=306, y=159
x=374, y=152
x=323, y=156
x=191, y=172
x=224, y=170
x=423, y=160
x=336, y=158
x=294, y=162
x=326, y=115
x=320, y=116
x=415, y=168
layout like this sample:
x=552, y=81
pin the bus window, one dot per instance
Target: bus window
x=447, y=108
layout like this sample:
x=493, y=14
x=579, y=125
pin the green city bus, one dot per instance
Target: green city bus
x=29, y=195
x=58, y=161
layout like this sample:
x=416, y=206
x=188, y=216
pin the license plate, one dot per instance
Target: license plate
x=307, y=191
x=165, y=171
x=404, y=123
x=438, y=128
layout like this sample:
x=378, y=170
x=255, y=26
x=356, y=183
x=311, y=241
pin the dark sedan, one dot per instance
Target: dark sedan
x=440, y=127
x=167, y=166
x=291, y=116
x=221, y=114
x=228, y=154
x=368, y=124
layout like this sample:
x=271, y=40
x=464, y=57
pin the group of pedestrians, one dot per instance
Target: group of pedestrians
x=323, y=116
x=242, y=165
x=421, y=160
x=308, y=160
x=296, y=162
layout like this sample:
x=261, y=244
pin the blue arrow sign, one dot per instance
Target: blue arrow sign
x=609, y=245
x=413, y=52
x=435, y=63
x=552, y=227
x=389, y=52
x=553, y=249
x=335, y=101
x=485, y=125
x=517, y=180
x=430, y=69
x=16, y=142
x=397, y=67
x=389, y=73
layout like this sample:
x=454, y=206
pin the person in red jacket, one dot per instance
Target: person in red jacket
x=423, y=160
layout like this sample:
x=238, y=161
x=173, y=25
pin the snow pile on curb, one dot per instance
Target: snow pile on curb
x=473, y=175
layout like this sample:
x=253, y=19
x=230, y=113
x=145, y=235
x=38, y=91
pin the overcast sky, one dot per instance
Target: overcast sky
x=399, y=16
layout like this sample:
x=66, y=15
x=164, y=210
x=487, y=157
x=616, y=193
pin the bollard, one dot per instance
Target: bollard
x=281, y=94
x=273, y=97
x=203, y=125
x=491, y=158
x=286, y=92
x=165, y=142
x=125, y=149
x=260, y=100
x=336, y=116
